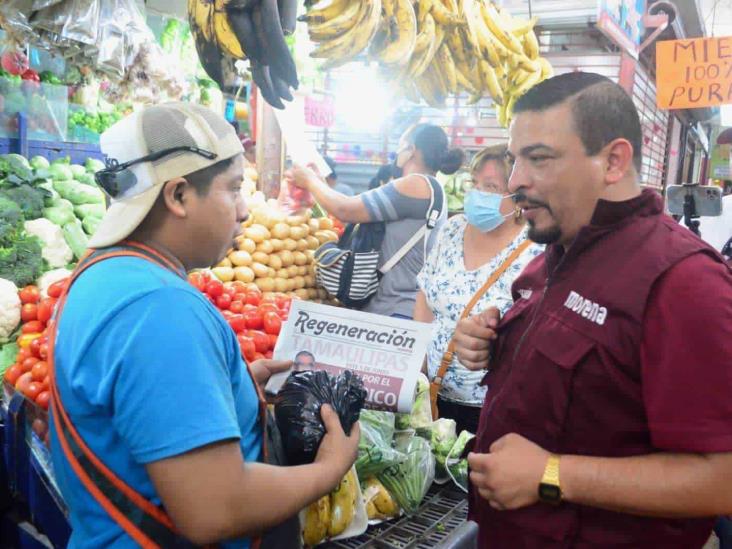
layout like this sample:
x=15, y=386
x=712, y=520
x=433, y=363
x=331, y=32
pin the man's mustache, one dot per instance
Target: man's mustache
x=525, y=201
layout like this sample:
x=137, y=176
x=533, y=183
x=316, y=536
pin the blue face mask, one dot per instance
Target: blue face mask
x=483, y=210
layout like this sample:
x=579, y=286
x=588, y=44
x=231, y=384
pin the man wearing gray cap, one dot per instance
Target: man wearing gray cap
x=158, y=425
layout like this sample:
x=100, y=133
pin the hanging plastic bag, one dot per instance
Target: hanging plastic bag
x=15, y=16
x=297, y=409
x=292, y=199
x=457, y=466
x=409, y=481
x=443, y=436
x=421, y=415
x=375, y=452
x=111, y=43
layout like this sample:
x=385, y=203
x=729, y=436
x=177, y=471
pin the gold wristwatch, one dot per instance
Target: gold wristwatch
x=550, y=490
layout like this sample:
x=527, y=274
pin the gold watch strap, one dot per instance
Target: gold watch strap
x=551, y=471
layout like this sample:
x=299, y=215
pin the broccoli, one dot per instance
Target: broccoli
x=28, y=198
x=21, y=262
x=10, y=217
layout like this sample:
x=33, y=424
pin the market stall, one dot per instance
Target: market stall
x=69, y=74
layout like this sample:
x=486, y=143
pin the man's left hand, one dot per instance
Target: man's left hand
x=264, y=368
x=508, y=477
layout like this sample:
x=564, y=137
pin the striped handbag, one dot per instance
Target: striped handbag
x=348, y=269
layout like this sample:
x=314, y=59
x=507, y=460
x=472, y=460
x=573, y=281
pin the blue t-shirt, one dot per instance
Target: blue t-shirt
x=147, y=369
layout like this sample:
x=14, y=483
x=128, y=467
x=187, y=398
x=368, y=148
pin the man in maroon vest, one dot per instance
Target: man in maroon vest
x=608, y=420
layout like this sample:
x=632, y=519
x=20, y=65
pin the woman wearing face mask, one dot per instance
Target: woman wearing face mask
x=476, y=258
x=402, y=204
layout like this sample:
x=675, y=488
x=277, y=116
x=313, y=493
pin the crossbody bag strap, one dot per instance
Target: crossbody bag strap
x=449, y=354
x=434, y=214
x=147, y=524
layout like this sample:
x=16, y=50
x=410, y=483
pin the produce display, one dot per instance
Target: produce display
x=431, y=49
x=275, y=251
x=227, y=30
x=455, y=187
x=409, y=480
x=380, y=504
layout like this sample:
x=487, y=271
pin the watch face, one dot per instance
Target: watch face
x=550, y=493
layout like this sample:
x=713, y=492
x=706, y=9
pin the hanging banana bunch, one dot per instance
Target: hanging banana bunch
x=431, y=49
x=227, y=30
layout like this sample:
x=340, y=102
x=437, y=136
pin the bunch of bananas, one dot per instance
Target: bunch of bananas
x=228, y=30
x=332, y=514
x=430, y=49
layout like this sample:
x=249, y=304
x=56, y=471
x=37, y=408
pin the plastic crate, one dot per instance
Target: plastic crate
x=440, y=523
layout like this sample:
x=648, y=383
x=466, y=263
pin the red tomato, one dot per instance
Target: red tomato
x=268, y=354
x=22, y=355
x=197, y=281
x=261, y=341
x=33, y=390
x=13, y=373
x=239, y=287
x=29, y=312
x=28, y=363
x=43, y=399
x=269, y=299
x=35, y=347
x=231, y=292
x=253, y=298
x=39, y=371
x=223, y=301
x=42, y=351
x=249, y=308
x=226, y=314
x=211, y=299
x=284, y=303
x=45, y=309
x=22, y=383
x=236, y=307
x=57, y=288
x=237, y=323
x=33, y=327
x=272, y=323
x=272, y=340
x=253, y=320
x=258, y=356
x=46, y=383
x=215, y=288
x=248, y=350
x=29, y=294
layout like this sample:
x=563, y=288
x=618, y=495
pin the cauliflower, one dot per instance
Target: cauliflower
x=9, y=309
x=55, y=250
x=49, y=278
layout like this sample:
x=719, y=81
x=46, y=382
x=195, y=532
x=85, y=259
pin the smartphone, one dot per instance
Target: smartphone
x=707, y=199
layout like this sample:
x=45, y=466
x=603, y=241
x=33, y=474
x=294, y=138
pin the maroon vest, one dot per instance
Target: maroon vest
x=566, y=372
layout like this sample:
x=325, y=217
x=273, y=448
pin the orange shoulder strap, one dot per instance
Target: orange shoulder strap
x=447, y=358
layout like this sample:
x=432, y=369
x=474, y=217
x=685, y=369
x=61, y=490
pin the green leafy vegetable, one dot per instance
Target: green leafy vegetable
x=421, y=414
x=76, y=238
x=375, y=452
x=409, y=480
x=28, y=198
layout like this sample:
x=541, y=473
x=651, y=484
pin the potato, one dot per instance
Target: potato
x=246, y=244
x=265, y=284
x=299, y=258
x=281, y=230
x=260, y=257
x=312, y=293
x=309, y=281
x=258, y=233
x=277, y=244
x=313, y=225
x=280, y=284
x=290, y=285
x=302, y=270
x=322, y=294
x=332, y=235
x=265, y=247
x=293, y=270
x=299, y=282
x=302, y=293
x=312, y=242
x=271, y=272
x=244, y=274
x=302, y=245
x=247, y=222
x=251, y=286
x=224, y=274
x=260, y=271
x=275, y=261
x=282, y=273
x=293, y=220
x=225, y=262
x=325, y=223
x=322, y=236
x=312, y=269
x=310, y=254
x=287, y=258
x=290, y=245
x=297, y=232
x=240, y=258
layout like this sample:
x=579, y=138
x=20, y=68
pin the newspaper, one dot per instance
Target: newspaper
x=386, y=352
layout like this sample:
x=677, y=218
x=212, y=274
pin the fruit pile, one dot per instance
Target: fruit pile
x=275, y=252
x=434, y=48
x=255, y=318
x=29, y=374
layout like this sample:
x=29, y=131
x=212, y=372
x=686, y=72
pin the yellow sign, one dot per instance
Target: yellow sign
x=694, y=73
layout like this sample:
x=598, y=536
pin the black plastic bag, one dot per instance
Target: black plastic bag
x=297, y=409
